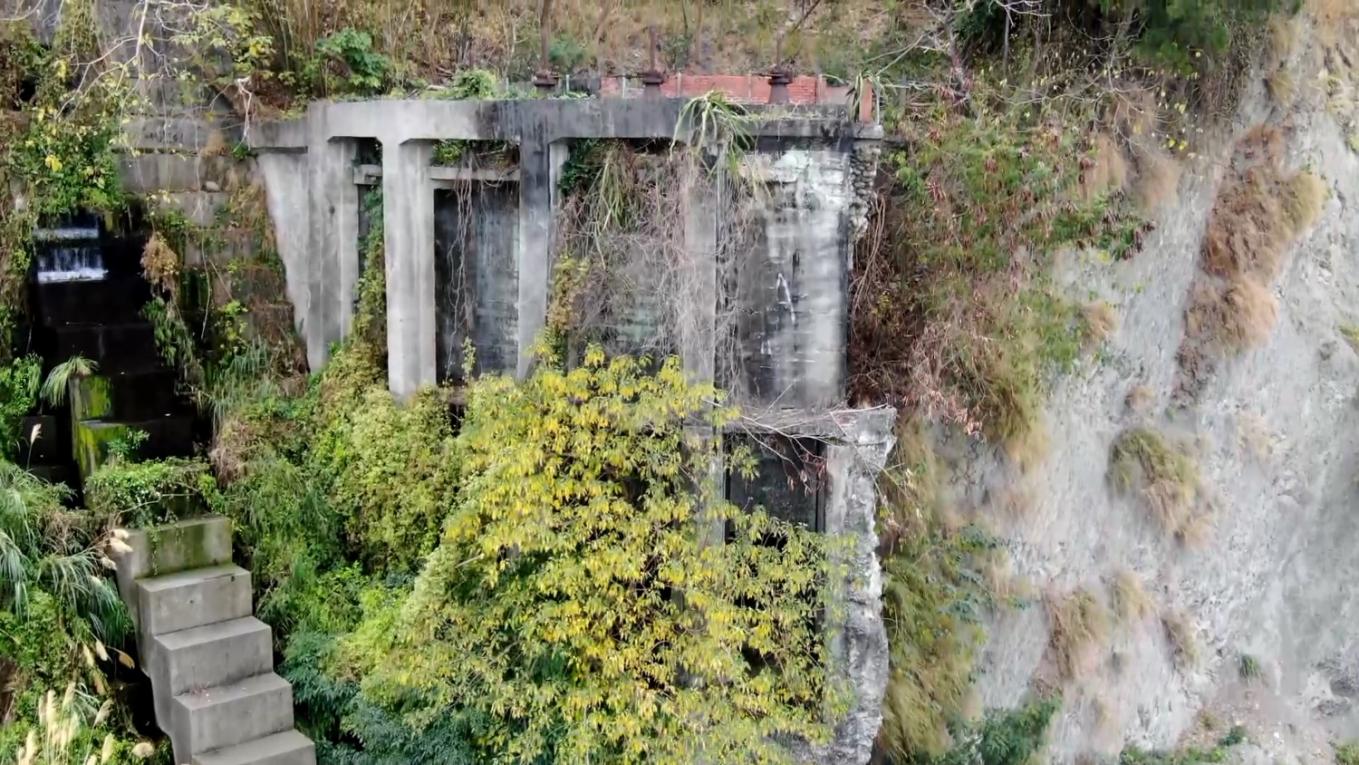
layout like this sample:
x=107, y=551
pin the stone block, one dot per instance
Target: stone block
x=286, y=748
x=91, y=443
x=228, y=715
x=192, y=598
x=198, y=207
x=182, y=134
x=147, y=173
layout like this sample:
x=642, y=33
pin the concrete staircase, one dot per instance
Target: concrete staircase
x=210, y=661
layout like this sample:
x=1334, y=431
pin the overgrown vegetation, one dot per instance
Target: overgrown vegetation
x=934, y=600
x=954, y=314
x=1260, y=211
x=530, y=587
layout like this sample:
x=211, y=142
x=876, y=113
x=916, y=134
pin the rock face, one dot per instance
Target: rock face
x=1265, y=584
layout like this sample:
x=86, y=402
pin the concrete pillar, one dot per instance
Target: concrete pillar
x=333, y=240
x=540, y=163
x=408, y=236
x=859, y=648
x=698, y=341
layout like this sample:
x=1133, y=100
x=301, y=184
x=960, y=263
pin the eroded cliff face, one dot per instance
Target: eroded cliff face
x=1268, y=577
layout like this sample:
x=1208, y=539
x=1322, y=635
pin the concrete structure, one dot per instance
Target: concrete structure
x=313, y=178
x=764, y=299
x=210, y=661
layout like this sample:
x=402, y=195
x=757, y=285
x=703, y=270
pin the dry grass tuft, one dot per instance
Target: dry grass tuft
x=1163, y=475
x=1182, y=637
x=1078, y=626
x=1260, y=210
x=1305, y=200
x=1140, y=399
x=1281, y=87
x=1283, y=37
x=160, y=263
x=1129, y=599
x=1100, y=321
x=1332, y=17
x=1230, y=317
x=1196, y=530
x=1157, y=182
x=1105, y=171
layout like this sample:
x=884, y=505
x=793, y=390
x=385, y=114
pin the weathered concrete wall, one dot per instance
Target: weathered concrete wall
x=792, y=282
x=476, y=233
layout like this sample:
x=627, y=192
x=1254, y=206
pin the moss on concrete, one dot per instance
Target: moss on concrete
x=91, y=443
x=91, y=398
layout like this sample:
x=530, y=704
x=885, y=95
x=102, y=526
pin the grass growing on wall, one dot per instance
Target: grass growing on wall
x=954, y=314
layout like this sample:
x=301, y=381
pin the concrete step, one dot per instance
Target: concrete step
x=116, y=345
x=192, y=598
x=227, y=715
x=170, y=549
x=117, y=298
x=286, y=748
x=212, y=655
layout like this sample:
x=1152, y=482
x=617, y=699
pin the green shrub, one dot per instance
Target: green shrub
x=346, y=64
x=1347, y=753
x=395, y=472
x=1192, y=756
x=573, y=612
x=143, y=494
x=1012, y=737
x=45, y=548
x=19, y=382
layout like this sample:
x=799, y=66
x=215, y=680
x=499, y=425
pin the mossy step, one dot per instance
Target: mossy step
x=166, y=437
x=136, y=396
x=170, y=549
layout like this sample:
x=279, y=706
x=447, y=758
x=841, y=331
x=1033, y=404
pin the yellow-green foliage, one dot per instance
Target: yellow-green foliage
x=1163, y=475
x=64, y=158
x=575, y=607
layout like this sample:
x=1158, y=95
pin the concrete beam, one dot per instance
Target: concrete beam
x=408, y=234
